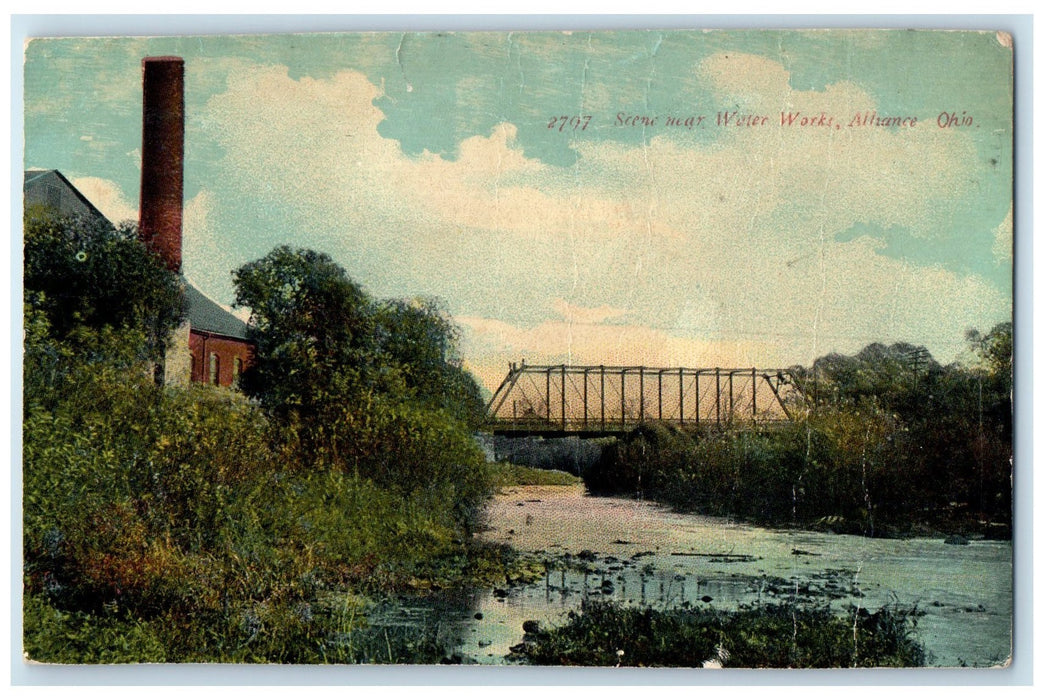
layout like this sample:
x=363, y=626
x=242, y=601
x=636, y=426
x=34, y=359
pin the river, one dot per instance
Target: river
x=638, y=552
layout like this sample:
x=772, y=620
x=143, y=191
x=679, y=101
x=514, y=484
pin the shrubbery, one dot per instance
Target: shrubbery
x=882, y=447
x=167, y=515
x=506, y=474
x=771, y=636
x=83, y=273
x=197, y=524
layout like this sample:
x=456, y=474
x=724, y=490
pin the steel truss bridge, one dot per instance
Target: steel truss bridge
x=560, y=400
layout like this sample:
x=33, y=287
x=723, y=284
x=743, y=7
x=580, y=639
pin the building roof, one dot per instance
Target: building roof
x=204, y=314
x=62, y=196
x=207, y=315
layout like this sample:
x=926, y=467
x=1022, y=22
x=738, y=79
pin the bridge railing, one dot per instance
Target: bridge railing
x=602, y=398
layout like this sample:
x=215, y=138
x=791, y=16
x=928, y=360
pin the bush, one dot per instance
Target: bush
x=83, y=272
x=195, y=524
x=179, y=524
x=506, y=474
x=737, y=473
x=857, y=468
x=773, y=636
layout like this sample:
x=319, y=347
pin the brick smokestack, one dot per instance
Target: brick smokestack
x=162, y=155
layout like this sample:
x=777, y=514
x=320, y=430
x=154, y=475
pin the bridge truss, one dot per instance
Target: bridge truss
x=600, y=399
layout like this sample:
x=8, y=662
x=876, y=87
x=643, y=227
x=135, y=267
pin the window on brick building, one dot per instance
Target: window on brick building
x=237, y=369
x=213, y=368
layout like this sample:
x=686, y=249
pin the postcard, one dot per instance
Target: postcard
x=645, y=348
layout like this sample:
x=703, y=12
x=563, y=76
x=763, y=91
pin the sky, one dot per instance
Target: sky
x=586, y=197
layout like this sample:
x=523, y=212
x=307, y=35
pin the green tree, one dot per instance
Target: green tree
x=994, y=351
x=372, y=388
x=313, y=327
x=421, y=340
x=84, y=273
x=892, y=439
x=166, y=523
x=890, y=376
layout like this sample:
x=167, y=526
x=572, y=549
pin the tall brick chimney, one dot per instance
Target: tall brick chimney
x=162, y=155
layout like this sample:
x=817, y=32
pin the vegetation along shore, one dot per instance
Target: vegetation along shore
x=194, y=523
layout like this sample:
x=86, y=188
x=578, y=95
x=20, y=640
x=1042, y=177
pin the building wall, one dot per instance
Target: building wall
x=177, y=358
x=226, y=351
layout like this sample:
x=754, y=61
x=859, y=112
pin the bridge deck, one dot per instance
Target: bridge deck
x=542, y=429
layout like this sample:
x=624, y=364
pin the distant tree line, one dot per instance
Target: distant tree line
x=886, y=441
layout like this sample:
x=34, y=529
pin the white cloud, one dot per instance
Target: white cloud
x=208, y=252
x=1003, y=240
x=108, y=197
x=578, y=314
x=721, y=252
x=491, y=343
x=872, y=299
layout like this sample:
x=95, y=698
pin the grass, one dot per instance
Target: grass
x=478, y=564
x=326, y=631
x=506, y=474
x=770, y=636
